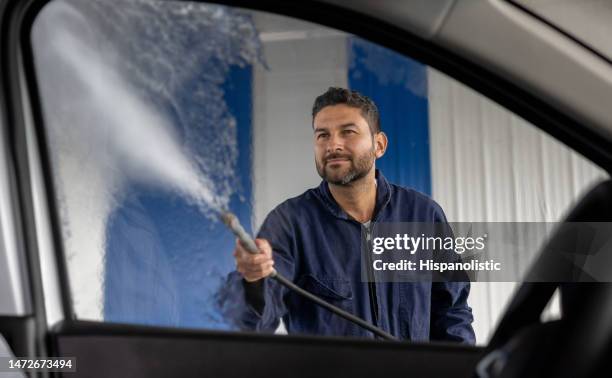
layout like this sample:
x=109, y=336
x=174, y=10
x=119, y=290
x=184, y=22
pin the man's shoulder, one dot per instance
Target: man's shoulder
x=411, y=193
x=289, y=215
x=413, y=199
x=298, y=205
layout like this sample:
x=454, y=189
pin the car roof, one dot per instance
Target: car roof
x=511, y=43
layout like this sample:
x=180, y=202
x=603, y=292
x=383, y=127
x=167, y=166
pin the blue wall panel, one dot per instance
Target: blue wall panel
x=398, y=86
x=164, y=260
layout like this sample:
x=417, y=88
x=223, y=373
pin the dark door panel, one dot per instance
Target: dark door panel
x=19, y=333
x=107, y=350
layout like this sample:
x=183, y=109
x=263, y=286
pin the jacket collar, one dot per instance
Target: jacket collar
x=383, y=196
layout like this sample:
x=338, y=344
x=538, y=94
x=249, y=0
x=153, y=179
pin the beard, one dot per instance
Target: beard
x=357, y=168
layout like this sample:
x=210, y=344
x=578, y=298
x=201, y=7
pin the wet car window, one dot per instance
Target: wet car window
x=159, y=115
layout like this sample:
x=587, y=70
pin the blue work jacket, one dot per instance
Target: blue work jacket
x=317, y=245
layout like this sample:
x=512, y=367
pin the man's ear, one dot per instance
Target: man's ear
x=381, y=142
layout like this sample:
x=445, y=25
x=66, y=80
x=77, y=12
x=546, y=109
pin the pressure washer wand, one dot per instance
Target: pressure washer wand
x=247, y=241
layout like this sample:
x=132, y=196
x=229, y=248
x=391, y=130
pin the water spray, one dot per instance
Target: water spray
x=161, y=160
x=232, y=222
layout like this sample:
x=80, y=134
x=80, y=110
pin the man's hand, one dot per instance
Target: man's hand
x=254, y=267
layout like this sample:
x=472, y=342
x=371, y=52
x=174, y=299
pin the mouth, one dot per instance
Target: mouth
x=336, y=161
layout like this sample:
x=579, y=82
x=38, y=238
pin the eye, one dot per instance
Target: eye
x=322, y=135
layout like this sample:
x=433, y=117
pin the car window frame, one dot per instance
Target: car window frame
x=545, y=20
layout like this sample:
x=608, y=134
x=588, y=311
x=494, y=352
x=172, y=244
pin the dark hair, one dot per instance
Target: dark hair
x=336, y=96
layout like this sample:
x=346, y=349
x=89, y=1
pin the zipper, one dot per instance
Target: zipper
x=371, y=281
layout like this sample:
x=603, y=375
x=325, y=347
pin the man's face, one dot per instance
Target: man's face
x=345, y=149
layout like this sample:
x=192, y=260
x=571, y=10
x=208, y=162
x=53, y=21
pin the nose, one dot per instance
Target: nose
x=334, y=143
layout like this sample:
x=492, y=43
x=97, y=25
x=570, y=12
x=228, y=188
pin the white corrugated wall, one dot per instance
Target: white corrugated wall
x=489, y=165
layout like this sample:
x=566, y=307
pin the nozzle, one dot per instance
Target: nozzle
x=233, y=224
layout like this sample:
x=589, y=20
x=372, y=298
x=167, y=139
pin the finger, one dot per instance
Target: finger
x=246, y=267
x=264, y=246
x=243, y=254
x=257, y=268
x=260, y=259
x=251, y=259
x=268, y=271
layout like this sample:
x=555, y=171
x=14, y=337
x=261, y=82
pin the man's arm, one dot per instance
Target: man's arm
x=249, y=299
x=451, y=317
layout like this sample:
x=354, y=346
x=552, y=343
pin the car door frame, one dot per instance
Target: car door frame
x=17, y=59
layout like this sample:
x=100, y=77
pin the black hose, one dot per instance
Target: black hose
x=232, y=222
x=336, y=310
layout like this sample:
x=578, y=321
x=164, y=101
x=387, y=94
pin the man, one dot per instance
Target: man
x=315, y=241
